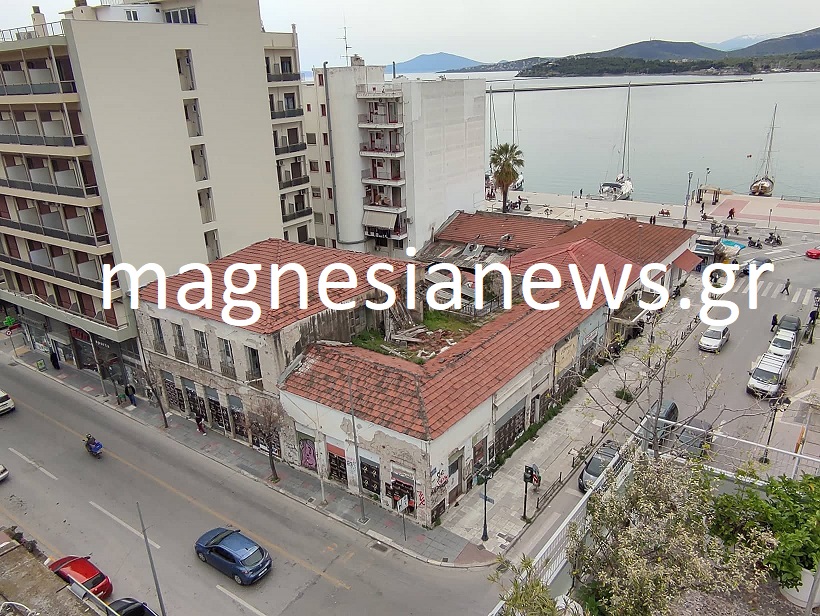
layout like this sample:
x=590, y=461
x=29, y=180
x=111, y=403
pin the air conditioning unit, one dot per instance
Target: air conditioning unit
x=409, y=220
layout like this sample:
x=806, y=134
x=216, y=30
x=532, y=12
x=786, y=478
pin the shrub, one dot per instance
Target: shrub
x=624, y=394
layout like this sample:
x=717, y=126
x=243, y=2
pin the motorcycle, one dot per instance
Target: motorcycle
x=773, y=240
x=95, y=449
x=675, y=292
x=754, y=243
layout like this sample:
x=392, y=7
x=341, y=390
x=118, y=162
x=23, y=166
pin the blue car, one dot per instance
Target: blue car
x=232, y=553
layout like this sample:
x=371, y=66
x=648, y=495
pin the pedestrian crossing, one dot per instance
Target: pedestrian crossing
x=774, y=290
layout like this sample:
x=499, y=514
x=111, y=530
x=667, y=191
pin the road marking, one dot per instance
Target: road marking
x=766, y=289
x=244, y=604
x=33, y=463
x=774, y=252
x=807, y=299
x=272, y=547
x=797, y=296
x=125, y=525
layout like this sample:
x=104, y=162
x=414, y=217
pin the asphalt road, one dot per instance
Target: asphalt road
x=75, y=504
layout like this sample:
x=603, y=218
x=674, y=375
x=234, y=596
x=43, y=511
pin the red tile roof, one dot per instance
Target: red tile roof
x=313, y=258
x=641, y=243
x=488, y=228
x=687, y=260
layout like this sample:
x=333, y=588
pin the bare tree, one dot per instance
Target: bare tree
x=265, y=418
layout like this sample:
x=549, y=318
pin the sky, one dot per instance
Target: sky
x=397, y=30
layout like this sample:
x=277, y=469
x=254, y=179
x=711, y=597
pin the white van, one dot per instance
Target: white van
x=6, y=403
x=784, y=344
x=768, y=376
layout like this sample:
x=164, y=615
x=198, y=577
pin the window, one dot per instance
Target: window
x=225, y=351
x=180, y=16
x=131, y=15
x=290, y=101
x=327, y=166
x=398, y=244
x=325, y=140
x=316, y=192
x=308, y=106
x=333, y=242
x=156, y=326
x=179, y=336
x=302, y=233
x=320, y=241
x=381, y=242
x=201, y=342
x=254, y=367
x=323, y=108
x=287, y=239
x=330, y=193
x=321, y=79
x=318, y=218
x=311, y=137
x=314, y=165
x=331, y=219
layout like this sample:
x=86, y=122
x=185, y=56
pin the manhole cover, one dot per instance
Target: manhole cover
x=445, y=560
x=379, y=546
x=311, y=499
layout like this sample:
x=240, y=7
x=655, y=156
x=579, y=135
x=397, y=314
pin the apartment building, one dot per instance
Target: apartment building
x=139, y=132
x=390, y=161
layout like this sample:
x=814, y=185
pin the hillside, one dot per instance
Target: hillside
x=792, y=43
x=741, y=42
x=434, y=63
x=660, y=50
x=504, y=65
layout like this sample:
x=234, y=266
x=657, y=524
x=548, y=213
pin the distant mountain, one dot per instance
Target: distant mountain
x=791, y=43
x=660, y=50
x=434, y=63
x=504, y=65
x=741, y=42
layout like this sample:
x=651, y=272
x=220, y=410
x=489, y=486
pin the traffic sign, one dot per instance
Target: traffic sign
x=403, y=503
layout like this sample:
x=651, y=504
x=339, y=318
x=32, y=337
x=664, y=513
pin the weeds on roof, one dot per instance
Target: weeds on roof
x=438, y=319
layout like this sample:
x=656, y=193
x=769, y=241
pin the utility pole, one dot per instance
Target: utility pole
x=151, y=562
x=363, y=518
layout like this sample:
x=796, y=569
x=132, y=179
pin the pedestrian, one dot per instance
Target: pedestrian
x=702, y=208
x=581, y=194
x=812, y=316
x=55, y=360
x=200, y=424
x=131, y=393
x=786, y=287
x=774, y=323
x=731, y=214
x=684, y=223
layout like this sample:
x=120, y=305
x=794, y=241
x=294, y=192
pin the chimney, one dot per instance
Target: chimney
x=79, y=3
x=356, y=60
x=38, y=20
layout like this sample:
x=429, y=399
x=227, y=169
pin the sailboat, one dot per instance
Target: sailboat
x=488, y=175
x=763, y=185
x=622, y=187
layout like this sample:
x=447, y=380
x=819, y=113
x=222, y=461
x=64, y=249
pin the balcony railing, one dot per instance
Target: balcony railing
x=50, y=271
x=159, y=346
x=52, y=189
x=304, y=212
x=228, y=370
x=203, y=361
x=293, y=147
x=385, y=148
x=374, y=118
x=181, y=354
x=395, y=233
x=311, y=241
x=90, y=240
x=286, y=113
x=367, y=174
x=280, y=76
x=294, y=182
x=385, y=203
x=16, y=89
x=55, y=28
x=67, y=141
x=54, y=304
x=254, y=379
x=378, y=90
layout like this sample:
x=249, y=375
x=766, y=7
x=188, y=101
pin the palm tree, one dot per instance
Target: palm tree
x=505, y=161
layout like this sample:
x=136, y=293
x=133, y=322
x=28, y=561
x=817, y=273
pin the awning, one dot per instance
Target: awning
x=381, y=220
x=687, y=261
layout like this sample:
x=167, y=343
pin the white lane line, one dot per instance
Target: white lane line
x=766, y=290
x=774, y=252
x=807, y=299
x=120, y=522
x=244, y=604
x=33, y=463
x=743, y=287
x=797, y=296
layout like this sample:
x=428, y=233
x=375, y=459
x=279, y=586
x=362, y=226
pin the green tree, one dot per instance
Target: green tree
x=505, y=162
x=527, y=594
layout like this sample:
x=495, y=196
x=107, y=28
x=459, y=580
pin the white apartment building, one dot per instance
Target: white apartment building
x=139, y=132
x=390, y=161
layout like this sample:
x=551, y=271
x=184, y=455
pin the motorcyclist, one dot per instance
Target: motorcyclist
x=90, y=441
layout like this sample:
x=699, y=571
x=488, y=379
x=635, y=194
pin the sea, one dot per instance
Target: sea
x=571, y=140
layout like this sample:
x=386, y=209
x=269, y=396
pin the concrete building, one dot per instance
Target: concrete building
x=139, y=132
x=390, y=161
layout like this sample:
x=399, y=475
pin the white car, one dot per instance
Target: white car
x=713, y=339
x=4, y=472
x=6, y=403
x=783, y=344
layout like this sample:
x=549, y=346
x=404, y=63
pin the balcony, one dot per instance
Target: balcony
x=17, y=89
x=159, y=346
x=228, y=370
x=383, y=204
x=396, y=233
x=384, y=178
x=296, y=214
x=55, y=28
x=298, y=181
x=55, y=273
x=181, y=354
x=52, y=189
x=287, y=113
x=57, y=141
x=203, y=360
x=89, y=240
x=254, y=379
x=290, y=148
x=382, y=150
x=311, y=241
x=375, y=120
x=278, y=76
x=378, y=90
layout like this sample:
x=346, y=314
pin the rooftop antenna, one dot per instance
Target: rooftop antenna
x=346, y=55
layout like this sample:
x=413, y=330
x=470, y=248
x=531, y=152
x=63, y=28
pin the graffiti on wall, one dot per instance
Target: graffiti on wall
x=307, y=449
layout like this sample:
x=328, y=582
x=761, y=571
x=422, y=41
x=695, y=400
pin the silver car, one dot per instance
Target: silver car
x=713, y=339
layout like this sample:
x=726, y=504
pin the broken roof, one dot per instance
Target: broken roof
x=487, y=228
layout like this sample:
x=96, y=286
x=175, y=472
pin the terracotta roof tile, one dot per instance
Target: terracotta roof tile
x=488, y=228
x=687, y=261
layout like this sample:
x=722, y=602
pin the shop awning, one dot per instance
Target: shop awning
x=687, y=261
x=380, y=220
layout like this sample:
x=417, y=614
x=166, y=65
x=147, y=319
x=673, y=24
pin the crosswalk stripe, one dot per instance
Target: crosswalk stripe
x=807, y=299
x=768, y=288
x=797, y=296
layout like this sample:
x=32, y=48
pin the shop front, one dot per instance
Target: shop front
x=36, y=331
x=336, y=460
x=510, y=426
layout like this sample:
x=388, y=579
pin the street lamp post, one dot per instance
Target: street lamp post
x=688, y=195
x=363, y=518
x=706, y=181
x=486, y=473
x=769, y=224
x=773, y=404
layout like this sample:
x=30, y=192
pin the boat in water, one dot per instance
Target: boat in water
x=763, y=184
x=622, y=187
x=489, y=178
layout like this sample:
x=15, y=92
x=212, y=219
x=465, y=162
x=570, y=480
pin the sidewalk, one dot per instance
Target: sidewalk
x=437, y=546
x=559, y=443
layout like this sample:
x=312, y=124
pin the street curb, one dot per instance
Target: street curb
x=367, y=533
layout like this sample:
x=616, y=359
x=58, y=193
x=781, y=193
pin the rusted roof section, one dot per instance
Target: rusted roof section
x=313, y=258
x=687, y=261
x=487, y=228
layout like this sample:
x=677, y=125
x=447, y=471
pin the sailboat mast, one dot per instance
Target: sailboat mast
x=769, y=145
x=513, y=114
x=624, y=154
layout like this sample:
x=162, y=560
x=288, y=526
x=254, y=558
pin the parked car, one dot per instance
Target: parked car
x=131, y=607
x=789, y=322
x=667, y=413
x=758, y=262
x=81, y=570
x=813, y=253
x=694, y=437
x=784, y=344
x=597, y=464
x=713, y=339
x=768, y=377
x=4, y=473
x=6, y=403
x=234, y=554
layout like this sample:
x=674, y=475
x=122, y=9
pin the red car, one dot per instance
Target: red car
x=81, y=570
x=813, y=253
